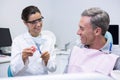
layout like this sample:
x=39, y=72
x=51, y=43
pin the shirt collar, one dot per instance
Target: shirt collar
x=39, y=39
x=106, y=48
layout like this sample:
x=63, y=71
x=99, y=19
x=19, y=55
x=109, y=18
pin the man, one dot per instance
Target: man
x=32, y=52
x=94, y=52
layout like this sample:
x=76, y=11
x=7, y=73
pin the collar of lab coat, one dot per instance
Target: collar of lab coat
x=39, y=39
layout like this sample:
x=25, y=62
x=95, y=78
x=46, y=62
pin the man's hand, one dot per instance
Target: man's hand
x=27, y=52
x=45, y=57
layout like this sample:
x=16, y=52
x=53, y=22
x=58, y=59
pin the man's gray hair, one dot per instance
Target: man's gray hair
x=99, y=18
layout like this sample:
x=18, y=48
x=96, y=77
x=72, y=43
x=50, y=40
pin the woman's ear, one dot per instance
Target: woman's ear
x=25, y=23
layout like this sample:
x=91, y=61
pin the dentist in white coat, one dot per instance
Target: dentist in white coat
x=32, y=52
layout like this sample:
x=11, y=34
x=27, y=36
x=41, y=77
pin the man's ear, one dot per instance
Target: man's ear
x=98, y=31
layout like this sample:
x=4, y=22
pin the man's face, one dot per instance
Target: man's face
x=34, y=24
x=85, y=31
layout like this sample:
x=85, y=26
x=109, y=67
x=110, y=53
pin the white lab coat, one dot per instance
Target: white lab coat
x=34, y=65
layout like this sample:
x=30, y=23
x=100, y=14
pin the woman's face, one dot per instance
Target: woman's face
x=34, y=24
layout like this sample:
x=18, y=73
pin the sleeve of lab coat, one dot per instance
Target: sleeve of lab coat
x=17, y=64
x=51, y=65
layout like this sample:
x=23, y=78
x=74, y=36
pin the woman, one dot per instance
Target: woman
x=32, y=52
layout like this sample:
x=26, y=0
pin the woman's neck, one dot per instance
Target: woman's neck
x=34, y=35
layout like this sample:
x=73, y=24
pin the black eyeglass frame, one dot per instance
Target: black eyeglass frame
x=35, y=21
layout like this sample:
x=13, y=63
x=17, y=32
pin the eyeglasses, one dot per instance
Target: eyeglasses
x=35, y=21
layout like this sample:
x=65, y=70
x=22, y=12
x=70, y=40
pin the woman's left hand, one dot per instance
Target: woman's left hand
x=45, y=57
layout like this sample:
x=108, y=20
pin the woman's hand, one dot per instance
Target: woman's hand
x=27, y=52
x=45, y=57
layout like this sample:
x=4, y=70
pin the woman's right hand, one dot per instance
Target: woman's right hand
x=28, y=52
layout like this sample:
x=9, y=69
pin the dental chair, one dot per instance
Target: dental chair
x=108, y=35
x=9, y=72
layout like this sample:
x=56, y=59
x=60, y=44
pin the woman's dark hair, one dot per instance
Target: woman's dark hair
x=28, y=11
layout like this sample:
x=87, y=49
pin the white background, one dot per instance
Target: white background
x=61, y=16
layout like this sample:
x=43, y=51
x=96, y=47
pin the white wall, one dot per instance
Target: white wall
x=67, y=15
x=61, y=16
x=10, y=14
